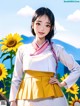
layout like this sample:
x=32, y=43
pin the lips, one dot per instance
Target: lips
x=41, y=33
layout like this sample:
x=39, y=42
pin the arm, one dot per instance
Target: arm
x=72, y=65
x=17, y=75
x=13, y=103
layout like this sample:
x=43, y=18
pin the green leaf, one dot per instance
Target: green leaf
x=10, y=71
x=4, y=54
x=8, y=78
x=7, y=57
x=8, y=83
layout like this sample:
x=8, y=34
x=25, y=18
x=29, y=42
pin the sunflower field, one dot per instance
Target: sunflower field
x=8, y=49
x=73, y=93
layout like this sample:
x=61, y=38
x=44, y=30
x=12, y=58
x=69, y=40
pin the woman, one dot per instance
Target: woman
x=34, y=81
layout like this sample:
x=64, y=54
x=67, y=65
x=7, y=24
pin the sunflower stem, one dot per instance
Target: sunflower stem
x=11, y=62
x=68, y=96
x=4, y=85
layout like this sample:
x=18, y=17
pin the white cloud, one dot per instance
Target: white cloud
x=59, y=27
x=27, y=33
x=26, y=11
x=75, y=16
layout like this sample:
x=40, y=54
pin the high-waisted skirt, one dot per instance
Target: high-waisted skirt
x=35, y=90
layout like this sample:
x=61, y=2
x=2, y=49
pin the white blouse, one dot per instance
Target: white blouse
x=44, y=61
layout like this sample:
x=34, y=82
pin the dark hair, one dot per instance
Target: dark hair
x=45, y=11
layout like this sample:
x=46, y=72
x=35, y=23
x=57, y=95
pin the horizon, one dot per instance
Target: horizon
x=53, y=39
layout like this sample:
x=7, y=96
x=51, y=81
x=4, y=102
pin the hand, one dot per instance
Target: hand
x=13, y=103
x=54, y=80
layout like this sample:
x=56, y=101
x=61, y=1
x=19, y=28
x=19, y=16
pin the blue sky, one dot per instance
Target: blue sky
x=15, y=17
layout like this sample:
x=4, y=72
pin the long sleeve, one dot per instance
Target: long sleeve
x=71, y=64
x=17, y=75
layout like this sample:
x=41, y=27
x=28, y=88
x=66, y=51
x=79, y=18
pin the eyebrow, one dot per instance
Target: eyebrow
x=46, y=22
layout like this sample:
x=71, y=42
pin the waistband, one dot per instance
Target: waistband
x=34, y=73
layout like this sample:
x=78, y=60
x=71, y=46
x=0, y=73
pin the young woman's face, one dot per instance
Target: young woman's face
x=42, y=26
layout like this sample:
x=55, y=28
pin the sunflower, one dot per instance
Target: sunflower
x=11, y=42
x=64, y=77
x=2, y=92
x=74, y=101
x=74, y=89
x=3, y=72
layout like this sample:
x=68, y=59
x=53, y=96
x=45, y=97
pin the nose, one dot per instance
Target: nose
x=42, y=28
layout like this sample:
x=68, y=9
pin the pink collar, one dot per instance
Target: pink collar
x=40, y=49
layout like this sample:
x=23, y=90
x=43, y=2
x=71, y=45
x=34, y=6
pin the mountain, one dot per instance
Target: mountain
x=69, y=48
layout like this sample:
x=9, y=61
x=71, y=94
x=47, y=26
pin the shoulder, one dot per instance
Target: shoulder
x=57, y=47
x=24, y=47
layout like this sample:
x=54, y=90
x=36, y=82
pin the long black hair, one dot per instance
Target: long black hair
x=45, y=11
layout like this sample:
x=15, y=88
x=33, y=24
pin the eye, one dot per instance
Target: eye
x=37, y=23
x=48, y=26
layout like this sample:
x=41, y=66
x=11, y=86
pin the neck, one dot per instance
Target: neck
x=40, y=41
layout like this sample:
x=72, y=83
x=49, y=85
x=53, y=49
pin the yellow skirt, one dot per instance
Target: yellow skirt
x=36, y=85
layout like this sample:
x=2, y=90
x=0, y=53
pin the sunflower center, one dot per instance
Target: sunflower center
x=72, y=88
x=0, y=72
x=11, y=43
x=76, y=103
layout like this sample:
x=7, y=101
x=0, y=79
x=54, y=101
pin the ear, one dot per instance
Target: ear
x=32, y=25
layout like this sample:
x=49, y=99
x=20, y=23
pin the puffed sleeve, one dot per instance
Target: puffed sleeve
x=17, y=74
x=71, y=64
